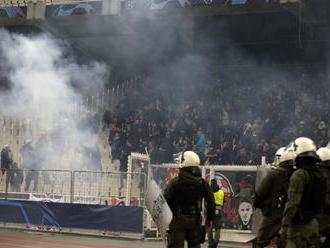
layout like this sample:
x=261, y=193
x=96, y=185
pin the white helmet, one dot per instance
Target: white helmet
x=305, y=147
x=284, y=154
x=278, y=155
x=189, y=159
x=324, y=153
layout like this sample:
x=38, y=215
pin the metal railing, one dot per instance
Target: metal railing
x=84, y=187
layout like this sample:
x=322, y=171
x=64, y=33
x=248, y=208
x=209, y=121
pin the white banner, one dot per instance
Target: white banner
x=45, y=199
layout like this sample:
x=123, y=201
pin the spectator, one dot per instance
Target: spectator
x=201, y=145
x=16, y=178
x=240, y=118
x=242, y=157
x=6, y=158
x=226, y=153
x=29, y=163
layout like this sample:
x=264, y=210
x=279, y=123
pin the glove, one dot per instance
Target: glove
x=208, y=226
x=283, y=232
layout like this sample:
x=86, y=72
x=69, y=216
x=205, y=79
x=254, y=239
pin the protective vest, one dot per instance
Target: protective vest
x=189, y=196
x=273, y=204
x=219, y=197
x=280, y=192
x=313, y=199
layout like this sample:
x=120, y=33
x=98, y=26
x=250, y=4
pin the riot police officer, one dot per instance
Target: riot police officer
x=185, y=195
x=271, y=197
x=324, y=217
x=305, y=198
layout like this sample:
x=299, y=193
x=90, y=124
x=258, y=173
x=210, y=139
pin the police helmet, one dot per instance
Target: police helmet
x=284, y=154
x=279, y=153
x=189, y=159
x=305, y=147
x=324, y=154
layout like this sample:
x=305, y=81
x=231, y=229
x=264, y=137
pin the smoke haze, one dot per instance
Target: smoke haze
x=40, y=75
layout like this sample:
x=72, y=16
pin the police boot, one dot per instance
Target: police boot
x=215, y=244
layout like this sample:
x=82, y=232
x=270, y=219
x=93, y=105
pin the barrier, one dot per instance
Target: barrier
x=83, y=197
x=54, y=185
x=98, y=188
x=84, y=187
x=103, y=188
x=137, y=178
x=56, y=216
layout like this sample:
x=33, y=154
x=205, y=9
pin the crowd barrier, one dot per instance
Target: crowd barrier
x=89, y=200
x=85, y=187
x=109, y=189
x=56, y=216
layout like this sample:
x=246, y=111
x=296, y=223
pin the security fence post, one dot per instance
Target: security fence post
x=72, y=186
x=128, y=181
x=263, y=161
x=6, y=183
x=149, y=174
x=212, y=173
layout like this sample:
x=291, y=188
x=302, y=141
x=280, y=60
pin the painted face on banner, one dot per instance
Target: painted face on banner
x=245, y=212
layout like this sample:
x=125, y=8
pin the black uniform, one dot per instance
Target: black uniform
x=184, y=196
x=6, y=159
x=305, y=201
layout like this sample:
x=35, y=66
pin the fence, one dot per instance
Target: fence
x=109, y=188
x=137, y=176
x=84, y=187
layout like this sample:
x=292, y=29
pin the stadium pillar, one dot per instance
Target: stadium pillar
x=36, y=10
x=111, y=7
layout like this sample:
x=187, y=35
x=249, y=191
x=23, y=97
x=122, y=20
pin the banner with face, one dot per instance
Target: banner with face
x=239, y=186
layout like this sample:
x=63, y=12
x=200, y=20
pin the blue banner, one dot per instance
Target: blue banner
x=16, y=12
x=64, y=215
x=91, y=8
x=170, y=4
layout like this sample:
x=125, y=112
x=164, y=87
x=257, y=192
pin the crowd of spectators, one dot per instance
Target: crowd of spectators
x=227, y=121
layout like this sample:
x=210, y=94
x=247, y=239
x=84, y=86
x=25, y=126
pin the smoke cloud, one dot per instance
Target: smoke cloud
x=41, y=73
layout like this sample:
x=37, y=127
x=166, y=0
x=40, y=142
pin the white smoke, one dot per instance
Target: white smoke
x=41, y=75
